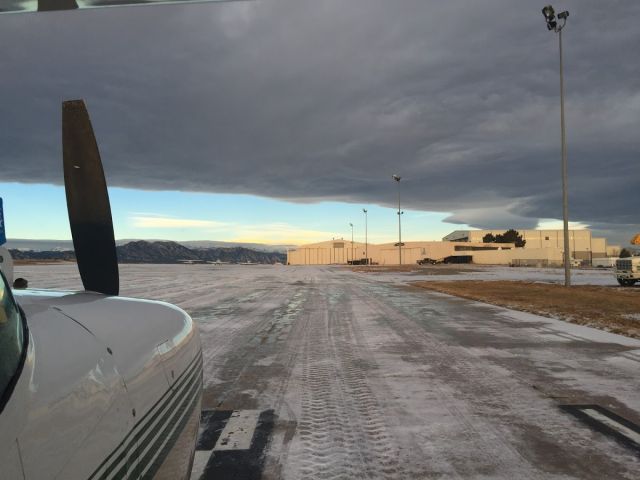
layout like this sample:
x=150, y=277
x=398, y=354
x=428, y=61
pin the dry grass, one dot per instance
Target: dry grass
x=612, y=309
x=414, y=268
x=384, y=268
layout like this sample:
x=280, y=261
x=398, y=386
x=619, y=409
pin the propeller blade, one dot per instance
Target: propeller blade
x=88, y=201
x=16, y=6
x=52, y=5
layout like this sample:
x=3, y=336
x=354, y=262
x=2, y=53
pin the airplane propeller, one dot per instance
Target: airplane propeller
x=21, y=6
x=88, y=202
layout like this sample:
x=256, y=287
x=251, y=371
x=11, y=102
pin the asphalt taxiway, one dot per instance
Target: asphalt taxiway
x=322, y=373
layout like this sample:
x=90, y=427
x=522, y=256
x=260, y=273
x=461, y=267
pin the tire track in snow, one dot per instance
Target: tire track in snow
x=342, y=433
x=487, y=402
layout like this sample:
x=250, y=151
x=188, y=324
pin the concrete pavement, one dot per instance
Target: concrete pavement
x=350, y=376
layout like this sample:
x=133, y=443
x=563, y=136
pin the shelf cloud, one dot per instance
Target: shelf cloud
x=308, y=101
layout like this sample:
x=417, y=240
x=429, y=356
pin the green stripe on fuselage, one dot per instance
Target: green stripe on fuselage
x=155, y=456
x=167, y=397
x=149, y=434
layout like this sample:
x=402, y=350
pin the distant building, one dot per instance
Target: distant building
x=542, y=248
x=342, y=252
x=582, y=244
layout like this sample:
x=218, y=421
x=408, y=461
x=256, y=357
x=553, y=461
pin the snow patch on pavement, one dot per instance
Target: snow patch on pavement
x=482, y=272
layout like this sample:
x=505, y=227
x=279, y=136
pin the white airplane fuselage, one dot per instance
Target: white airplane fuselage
x=110, y=388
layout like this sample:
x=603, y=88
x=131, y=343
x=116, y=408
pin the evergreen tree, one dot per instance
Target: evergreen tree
x=510, y=236
x=489, y=238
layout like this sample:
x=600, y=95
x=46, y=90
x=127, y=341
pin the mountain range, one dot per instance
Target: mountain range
x=142, y=251
x=61, y=245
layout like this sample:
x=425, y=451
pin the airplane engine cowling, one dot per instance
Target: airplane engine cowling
x=118, y=380
x=6, y=264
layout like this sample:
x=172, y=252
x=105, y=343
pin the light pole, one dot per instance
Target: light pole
x=397, y=178
x=552, y=25
x=352, y=258
x=366, y=243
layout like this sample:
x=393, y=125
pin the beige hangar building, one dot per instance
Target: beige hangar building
x=542, y=248
x=342, y=252
x=582, y=244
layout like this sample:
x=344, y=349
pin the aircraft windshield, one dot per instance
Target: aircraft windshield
x=11, y=337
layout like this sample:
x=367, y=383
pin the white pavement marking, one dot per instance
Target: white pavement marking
x=236, y=435
x=200, y=461
x=618, y=427
x=238, y=432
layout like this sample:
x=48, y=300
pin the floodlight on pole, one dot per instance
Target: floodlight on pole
x=553, y=25
x=549, y=15
x=397, y=178
x=366, y=241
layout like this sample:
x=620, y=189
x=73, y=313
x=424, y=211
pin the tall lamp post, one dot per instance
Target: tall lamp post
x=352, y=257
x=553, y=25
x=366, y=242
x=397, y=178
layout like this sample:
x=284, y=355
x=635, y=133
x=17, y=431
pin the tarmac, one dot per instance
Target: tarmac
x=323, y=373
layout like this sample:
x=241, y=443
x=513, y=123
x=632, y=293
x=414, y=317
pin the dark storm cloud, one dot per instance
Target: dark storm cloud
x=324, y=100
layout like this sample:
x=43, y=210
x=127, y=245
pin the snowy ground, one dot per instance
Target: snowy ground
x=366, y=378
x=591, y=276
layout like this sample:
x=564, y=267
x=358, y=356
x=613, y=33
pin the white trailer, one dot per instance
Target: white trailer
x=628, y=271
x=605, y=262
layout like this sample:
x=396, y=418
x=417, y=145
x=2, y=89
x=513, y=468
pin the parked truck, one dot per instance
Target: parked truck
x=628, y=271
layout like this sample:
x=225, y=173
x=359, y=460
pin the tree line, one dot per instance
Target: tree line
x=510, y=236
